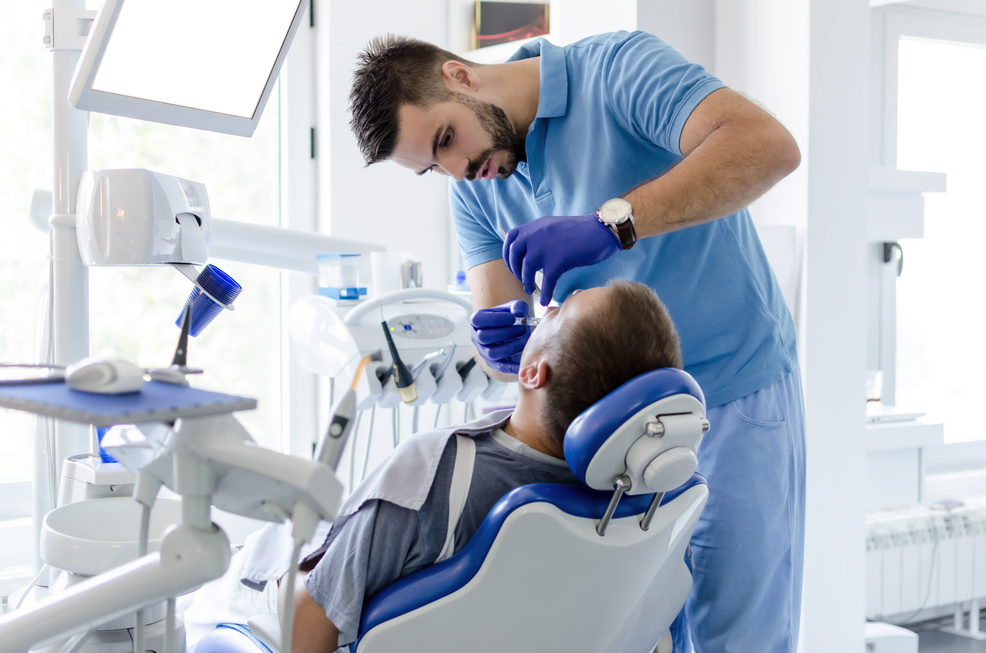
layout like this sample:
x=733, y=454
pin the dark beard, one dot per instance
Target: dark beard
x=502, y=134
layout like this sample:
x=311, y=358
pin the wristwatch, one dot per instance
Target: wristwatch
x=617, y=214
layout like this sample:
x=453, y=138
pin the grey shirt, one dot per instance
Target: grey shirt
x=383, y=542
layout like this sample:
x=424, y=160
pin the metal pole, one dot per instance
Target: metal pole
x=69, y=321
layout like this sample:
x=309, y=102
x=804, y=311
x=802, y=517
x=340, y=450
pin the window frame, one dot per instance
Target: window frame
x=298, y=189
x=890, y=24
x=300, y=198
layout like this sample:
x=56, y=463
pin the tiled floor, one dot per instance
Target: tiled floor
x=933, y=640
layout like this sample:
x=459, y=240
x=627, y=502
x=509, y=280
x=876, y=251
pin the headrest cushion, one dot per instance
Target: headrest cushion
x=589, y=431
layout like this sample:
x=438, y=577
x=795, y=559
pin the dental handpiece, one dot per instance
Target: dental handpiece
x=527, y=321
x=341, y=423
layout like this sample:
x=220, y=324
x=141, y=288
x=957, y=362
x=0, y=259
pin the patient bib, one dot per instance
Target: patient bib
x=404, y=478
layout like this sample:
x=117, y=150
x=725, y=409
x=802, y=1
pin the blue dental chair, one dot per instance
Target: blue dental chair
x=599, y=568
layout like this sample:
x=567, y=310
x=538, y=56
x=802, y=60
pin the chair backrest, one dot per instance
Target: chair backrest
x=538, y=575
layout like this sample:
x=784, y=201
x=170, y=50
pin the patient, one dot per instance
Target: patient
x=396, y=521
x=597, y=340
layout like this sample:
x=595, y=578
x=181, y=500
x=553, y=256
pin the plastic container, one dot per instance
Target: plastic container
x=342, y=276
x=217, y=284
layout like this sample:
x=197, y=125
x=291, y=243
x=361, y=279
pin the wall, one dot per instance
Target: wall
x=383, y=203
x=686, y=25
x=835, y=370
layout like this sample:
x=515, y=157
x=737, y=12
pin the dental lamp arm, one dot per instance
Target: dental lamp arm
x=188, y=558
x=287, y=249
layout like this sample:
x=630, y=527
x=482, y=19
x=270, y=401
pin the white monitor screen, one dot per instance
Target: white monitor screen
x=208, y=64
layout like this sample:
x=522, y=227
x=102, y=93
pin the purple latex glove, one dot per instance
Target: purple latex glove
x=498, y=340
x=555, y=244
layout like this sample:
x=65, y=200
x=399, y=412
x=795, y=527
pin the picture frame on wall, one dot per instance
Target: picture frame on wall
x=503, y=22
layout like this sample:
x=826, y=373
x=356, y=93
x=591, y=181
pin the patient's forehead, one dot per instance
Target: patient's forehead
x=586, y=304
x=580, y=305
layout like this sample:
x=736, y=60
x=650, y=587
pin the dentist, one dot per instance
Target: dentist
x=614, y=157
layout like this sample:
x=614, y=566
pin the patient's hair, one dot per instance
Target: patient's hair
x=393, y=71
x=630, y=335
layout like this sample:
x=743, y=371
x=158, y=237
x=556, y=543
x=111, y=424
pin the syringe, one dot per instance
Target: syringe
x=527, y=321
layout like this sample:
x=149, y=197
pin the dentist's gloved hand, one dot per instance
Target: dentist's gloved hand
x=498, y=340
x=555, y=245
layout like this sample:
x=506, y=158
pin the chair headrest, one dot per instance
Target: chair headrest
x=647, y=431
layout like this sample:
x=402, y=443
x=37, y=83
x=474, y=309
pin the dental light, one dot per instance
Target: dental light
x=220, y=81
x=141, y=217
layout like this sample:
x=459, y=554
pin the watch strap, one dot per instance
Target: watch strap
x=626, y=233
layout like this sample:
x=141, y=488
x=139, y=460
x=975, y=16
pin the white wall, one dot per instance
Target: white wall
x=837, y=176
x=383, y=203
x=686, y=25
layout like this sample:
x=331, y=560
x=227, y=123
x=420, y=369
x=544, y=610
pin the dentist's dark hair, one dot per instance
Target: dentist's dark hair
x=393, y=71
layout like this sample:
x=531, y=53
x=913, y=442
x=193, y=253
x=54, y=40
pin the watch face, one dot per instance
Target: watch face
x=614, y=211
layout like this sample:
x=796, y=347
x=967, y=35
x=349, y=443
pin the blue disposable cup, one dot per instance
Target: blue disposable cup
x=204, y=310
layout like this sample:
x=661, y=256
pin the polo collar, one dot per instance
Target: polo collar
x=553, y=98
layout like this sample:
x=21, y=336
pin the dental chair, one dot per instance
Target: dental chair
x=598, y=568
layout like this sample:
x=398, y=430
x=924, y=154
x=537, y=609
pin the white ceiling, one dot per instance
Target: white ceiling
x=968, y=7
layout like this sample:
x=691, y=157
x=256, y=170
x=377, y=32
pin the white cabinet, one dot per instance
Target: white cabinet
x=895, y=202
x=896, y=462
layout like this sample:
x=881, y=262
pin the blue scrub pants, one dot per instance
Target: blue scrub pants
x=748, y=547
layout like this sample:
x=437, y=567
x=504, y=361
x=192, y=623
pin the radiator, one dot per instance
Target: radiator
x=924, y=557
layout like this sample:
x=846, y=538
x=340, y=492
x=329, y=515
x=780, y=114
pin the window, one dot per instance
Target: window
x=941, y=353
x=132, y=311
x=25, y=131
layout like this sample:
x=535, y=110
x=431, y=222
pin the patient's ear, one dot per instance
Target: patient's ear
x=534, y=375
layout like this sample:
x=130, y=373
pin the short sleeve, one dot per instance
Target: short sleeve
x=654, y=88
x=376, y=546
x=366, y=553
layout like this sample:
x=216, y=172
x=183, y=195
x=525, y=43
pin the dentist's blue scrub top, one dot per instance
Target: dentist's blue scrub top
x=610, y=115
